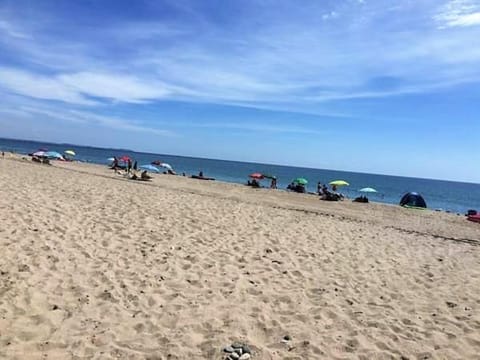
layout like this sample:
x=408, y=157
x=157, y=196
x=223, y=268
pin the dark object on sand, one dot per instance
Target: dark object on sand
x=299, y=188
x=361, y=199
x=201, y=177
x=414, y=200
x=329, y=196
x=254, y=183
x=471, y=212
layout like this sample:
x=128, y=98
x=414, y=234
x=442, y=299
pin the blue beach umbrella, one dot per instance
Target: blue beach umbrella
x=149, y=167
x=53, y=155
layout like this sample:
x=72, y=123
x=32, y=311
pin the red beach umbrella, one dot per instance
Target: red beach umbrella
x=125, y=158
x=256, y=176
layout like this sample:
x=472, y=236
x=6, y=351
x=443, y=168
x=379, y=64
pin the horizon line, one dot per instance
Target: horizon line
x=240, y=161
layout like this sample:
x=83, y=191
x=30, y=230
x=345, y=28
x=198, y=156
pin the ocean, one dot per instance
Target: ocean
x=456, y=197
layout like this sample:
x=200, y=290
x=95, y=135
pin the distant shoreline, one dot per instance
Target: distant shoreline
x=232, y=161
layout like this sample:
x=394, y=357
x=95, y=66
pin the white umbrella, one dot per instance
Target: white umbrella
x=39, y=153
x=149, y=168
x=166, y=166
x=368, y=190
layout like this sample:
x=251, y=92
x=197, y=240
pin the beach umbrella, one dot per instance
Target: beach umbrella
x=53, y=155
x=70, y=152
x=40, y=153
x=166, y=166
x=268, y=176
x=301, y=181
x=125, y=158
x=368, y=190
x=149, y=167
x=111, y=159
x=256, y=176
x=339, y=183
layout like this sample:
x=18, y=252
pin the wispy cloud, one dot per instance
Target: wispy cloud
x=80, y=88
x=8, y=29
x=250, y=126
x=70, y=116
x=295, y=57
x=459, y=13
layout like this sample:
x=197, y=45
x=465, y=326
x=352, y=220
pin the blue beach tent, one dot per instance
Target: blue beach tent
x=413, y=199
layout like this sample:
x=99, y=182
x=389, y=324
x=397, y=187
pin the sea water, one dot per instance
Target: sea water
x=450, y=196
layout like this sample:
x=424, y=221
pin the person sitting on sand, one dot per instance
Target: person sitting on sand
x=255, y=183
x=324, y=189
x=145, y=176
x=300, y=188
x=200, y=174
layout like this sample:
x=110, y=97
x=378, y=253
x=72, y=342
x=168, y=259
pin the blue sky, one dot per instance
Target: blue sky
x=361, y=85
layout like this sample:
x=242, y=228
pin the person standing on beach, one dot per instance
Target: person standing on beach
x=273, y=184
x=3, y=154
x=129, y=166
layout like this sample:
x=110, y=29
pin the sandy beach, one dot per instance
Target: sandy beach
x=95, y=266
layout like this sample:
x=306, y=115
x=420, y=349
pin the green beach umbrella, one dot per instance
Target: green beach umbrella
x=70, y=152
x=301, y=181
x=339, y=183
x=368, y=190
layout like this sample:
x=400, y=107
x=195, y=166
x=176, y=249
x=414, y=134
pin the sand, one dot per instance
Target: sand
x=94, y=266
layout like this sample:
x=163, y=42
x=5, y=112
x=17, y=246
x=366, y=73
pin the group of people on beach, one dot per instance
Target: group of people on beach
x=256, y=184
x=325, y=194
x=130, y=168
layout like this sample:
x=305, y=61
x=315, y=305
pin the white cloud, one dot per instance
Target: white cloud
x=114, y=86
x=302, y=60
x=459, y=13
x=330, y=15
x=91, y=119
x=466, y=20
x=77, y=88
x=259, y=127
x=7, y=28
x=39, y=87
